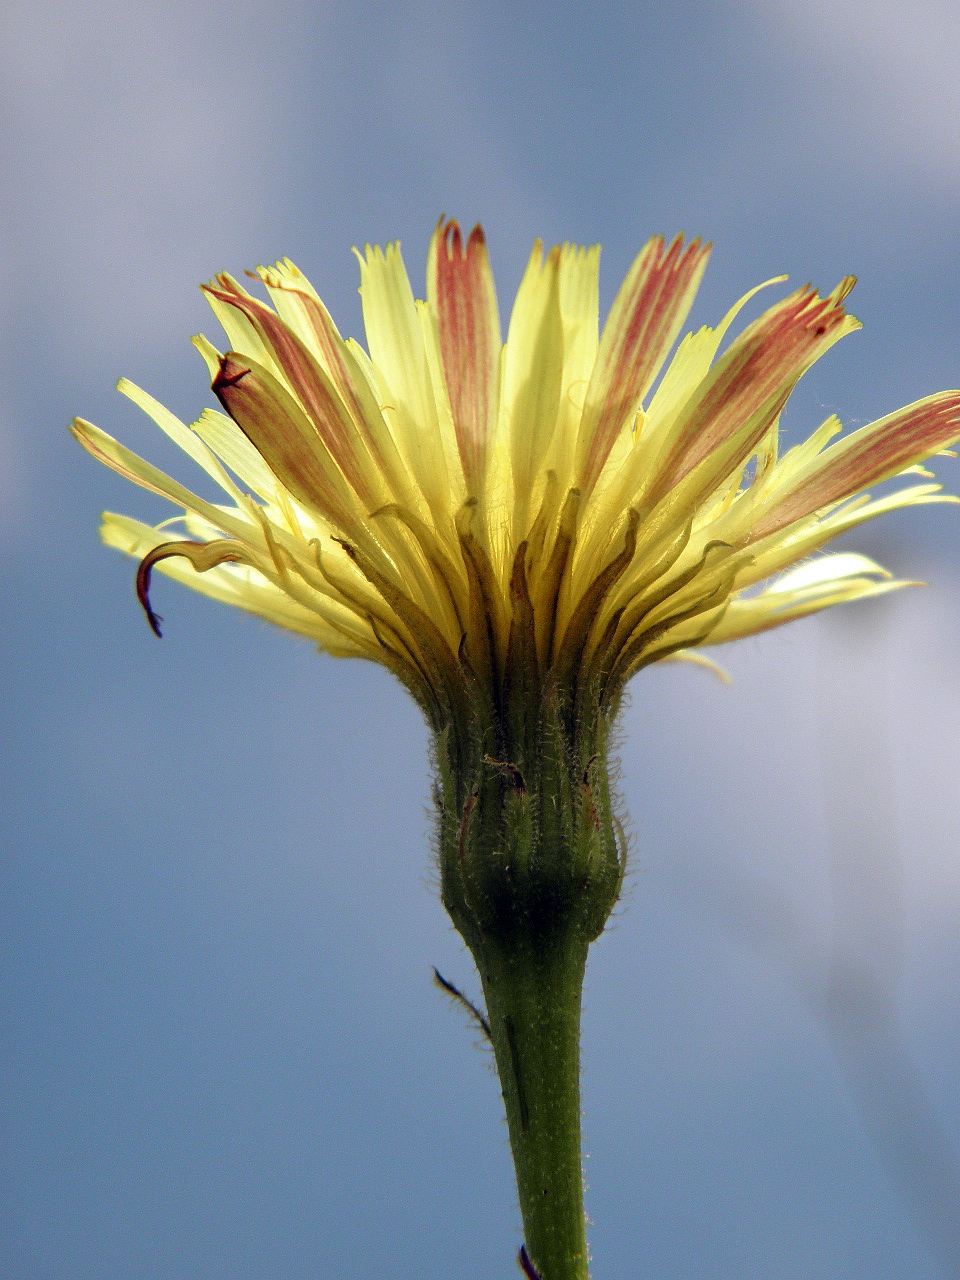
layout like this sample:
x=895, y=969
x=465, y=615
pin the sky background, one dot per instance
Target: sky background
x=223, y=1056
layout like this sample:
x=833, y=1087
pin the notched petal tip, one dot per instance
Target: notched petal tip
x=451, y=239
x=843, y=289
x=449, y=234
x=202, y=555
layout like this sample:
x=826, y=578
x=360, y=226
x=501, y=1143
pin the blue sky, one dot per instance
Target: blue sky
x=225, y=1057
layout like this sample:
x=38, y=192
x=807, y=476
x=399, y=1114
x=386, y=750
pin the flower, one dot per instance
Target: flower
x=515, y=529
x=480, y=515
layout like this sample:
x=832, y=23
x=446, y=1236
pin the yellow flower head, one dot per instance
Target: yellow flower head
x=482, y=515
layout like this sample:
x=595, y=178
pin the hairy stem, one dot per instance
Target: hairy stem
x=533, y=990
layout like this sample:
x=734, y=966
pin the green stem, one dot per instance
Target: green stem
x=532, y=988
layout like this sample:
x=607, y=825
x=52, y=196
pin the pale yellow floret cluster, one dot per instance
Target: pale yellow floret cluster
x=458, y=479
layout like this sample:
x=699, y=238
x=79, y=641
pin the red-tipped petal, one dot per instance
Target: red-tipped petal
x=308, y=380
x=874, y=453
x=461, y=292
x=644, y=322
x=754, y=378
x=282, y=434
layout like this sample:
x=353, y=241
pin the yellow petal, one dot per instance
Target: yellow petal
x=532, y=380
x=397, y=366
